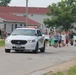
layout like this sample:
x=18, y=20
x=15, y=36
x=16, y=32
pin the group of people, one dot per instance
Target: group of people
x=61, y=39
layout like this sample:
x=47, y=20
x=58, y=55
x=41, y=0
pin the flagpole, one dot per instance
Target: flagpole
x=26, y=13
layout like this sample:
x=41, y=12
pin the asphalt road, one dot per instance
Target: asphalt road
x=28, y=63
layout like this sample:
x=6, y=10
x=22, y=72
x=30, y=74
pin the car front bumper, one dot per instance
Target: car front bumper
x=27, y=46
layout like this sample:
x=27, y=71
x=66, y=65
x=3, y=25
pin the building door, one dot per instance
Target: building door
x=15, y=25
x=12, y=27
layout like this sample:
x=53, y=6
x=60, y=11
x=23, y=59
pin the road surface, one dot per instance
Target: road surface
x=28, y=63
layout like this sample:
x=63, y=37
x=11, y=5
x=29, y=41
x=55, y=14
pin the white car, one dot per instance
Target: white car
x=23, y=39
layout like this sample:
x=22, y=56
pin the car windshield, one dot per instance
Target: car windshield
x=24, y=32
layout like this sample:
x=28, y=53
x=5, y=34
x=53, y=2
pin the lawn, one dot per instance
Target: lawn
x=2, y=42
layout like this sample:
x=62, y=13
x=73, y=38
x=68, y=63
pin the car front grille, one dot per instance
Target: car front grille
x=19, y=42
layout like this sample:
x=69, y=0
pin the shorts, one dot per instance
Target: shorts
x=60, y=41
x=56, y=41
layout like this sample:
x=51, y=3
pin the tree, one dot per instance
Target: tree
x=4, y=2
x=62, y=14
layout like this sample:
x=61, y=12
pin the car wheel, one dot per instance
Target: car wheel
x=36, y=49
x=7, y=50
x=43, y=48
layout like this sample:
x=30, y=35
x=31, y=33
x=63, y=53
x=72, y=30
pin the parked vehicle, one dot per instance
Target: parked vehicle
x=23, y=39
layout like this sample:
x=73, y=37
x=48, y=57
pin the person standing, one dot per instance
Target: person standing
x=56, y=36
x=0, y=33
x=63, y=35
x=71, y=37
x=75, y=40
x=50, y=35
x=52, y=40
x=60, y=40
x=4, y=34
x=67, y=38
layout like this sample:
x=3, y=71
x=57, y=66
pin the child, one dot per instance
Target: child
x=67, y=39
x=60, y=40
x=52, y=40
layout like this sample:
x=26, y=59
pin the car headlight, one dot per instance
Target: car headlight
x=8, y=40
x=29, y=41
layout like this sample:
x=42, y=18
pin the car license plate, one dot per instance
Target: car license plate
x=18, y=46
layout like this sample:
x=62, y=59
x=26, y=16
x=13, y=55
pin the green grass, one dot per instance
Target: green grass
x=58, y=73
x=72, y=71
x=2, y=42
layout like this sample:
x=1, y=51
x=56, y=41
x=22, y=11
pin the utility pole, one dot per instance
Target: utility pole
x=26, y=13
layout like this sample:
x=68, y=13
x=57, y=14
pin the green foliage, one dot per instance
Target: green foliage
x=62, y=14
x=4, y=2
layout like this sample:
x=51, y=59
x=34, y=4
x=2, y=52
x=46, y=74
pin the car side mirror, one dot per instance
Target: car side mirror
x=39, y=34
x=36, y=34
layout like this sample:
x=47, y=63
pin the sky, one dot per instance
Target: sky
x=32, y=3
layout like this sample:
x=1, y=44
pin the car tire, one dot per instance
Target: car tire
x=36, y=48
x=43, y=48
x=7, y=50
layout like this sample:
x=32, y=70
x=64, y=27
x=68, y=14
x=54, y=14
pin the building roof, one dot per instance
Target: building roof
x=33, y=10
x=14, y=18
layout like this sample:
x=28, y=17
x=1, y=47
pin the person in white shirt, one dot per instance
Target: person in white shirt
x=63, y=35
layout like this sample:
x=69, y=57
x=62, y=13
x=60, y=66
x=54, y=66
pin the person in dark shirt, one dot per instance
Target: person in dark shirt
x=71, y=34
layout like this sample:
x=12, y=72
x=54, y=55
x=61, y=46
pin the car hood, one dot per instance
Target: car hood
x=21, y=37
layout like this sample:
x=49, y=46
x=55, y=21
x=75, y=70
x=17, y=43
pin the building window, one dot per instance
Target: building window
x=20, y=24
x=24, y=24
x=31, y=15
x=15, y=25
x=5, y=27
x=24, y=15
